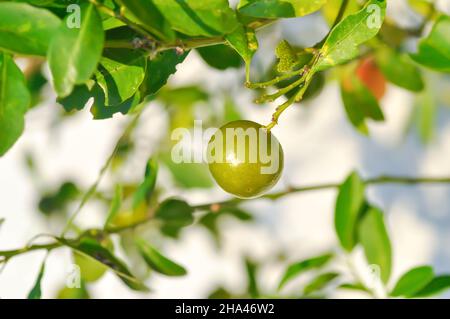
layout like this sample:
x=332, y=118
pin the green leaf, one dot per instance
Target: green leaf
x=220, y=57
x=89, y=247
x=77, y=99
x=188, y=175
x=436, y=286
x=58, y=201
x=331, y=8
x=434, y=50
x=74, y=293
x=373, y=236
x=120, y=73
x=320, y=282
x=399, y=69
x=199, y=18
x=174, y=214
x=252, y=281
x=75, y=52
x=115, y=205
x=101, y=111
x=343, y=42
x=2, y=221
x=413, y=281
x=148, y=15
x=145, y=189
x=159, y=69
x=231, y=111
x=156, y=261
x=272, y=9
x=349, y=205
x=25, y=29
x=353, y=286
x=14, y=102
x=36, y=292
x=359, y=103
x=244, y=41
x=426, y=108
x=300, y=267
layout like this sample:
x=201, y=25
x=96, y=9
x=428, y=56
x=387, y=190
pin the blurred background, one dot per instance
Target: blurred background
x=320, y=145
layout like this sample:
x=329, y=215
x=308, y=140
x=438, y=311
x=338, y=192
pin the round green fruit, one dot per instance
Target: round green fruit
x=245, y=159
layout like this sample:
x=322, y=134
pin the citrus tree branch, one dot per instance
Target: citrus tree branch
x=214, y=206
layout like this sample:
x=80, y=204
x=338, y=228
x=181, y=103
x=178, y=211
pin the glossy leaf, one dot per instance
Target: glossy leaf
x=91, y=248
x=145, y=189
x=25, y=29
x=14, y=102
x=413, y=281
x=156, y=261
x=149, y=16
x=320, y=282
x=220, y=57
x=75, y=52
x=244, y=41
x=159, y=69
x=331, y=8
x=434, y=50
x=400, y=70
x=436, y=286
x=349, y=205
x=36, y=292
x=198, y=18
x=77, y=99
x=120, y=73
x=373, y=236
x=101, y=111
x=300, y=267
x=272, y=9
x=343, y=42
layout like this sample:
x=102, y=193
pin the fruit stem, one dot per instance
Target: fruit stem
x=263, y=85
x=281, y=92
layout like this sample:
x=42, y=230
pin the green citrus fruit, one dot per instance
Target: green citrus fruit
x=245, y=159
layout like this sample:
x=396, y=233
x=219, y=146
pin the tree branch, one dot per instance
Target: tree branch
x=381, y=180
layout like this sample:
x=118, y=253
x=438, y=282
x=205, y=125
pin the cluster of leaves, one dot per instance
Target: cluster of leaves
x=121, y=53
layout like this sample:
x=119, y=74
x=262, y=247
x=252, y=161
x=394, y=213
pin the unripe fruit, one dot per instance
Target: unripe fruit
x=245, y=159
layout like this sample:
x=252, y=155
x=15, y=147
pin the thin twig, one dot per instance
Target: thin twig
x=381, y=180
